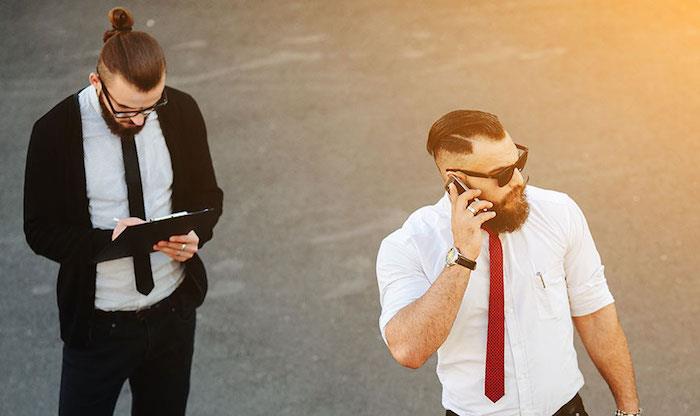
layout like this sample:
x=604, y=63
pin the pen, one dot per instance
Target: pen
x=542, y=279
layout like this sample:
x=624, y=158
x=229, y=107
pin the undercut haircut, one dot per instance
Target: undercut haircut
x=455, y=131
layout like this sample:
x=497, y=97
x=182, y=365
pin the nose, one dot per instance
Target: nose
x=517, y=179
x=138, y=119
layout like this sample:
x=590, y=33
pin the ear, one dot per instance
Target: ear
x=94, y=80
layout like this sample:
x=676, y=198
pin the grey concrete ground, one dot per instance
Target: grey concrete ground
x=317, y=115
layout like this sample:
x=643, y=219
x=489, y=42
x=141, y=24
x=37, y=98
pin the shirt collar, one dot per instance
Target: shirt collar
x=444, y=205
x=92, y=99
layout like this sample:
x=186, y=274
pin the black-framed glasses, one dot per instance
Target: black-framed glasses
x=129, y=114
x=505, y=174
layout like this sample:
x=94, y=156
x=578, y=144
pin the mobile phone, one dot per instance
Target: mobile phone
x=461, y=187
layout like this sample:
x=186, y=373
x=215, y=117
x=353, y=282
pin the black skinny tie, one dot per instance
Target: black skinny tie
x=142, y=262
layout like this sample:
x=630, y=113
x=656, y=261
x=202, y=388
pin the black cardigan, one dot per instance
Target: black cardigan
x=57, y=221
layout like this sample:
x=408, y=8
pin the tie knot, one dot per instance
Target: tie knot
x=491, y=233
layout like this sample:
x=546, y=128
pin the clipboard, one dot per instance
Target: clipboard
x=139, y=239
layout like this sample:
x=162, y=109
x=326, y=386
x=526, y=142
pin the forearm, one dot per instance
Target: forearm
x=66, y=243
x=606, y=344
x=419, y=329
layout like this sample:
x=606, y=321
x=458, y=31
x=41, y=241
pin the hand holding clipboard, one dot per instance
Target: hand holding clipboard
x=143, y=238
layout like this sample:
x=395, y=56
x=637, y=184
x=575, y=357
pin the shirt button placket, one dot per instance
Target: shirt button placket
x=519, y=358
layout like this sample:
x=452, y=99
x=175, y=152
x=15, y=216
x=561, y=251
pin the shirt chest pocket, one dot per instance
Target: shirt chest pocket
x=551, y=296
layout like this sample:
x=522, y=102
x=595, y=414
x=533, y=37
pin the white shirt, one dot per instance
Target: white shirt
x=541, y=368
x=115, y=288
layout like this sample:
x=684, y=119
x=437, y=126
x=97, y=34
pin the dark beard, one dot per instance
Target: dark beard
x=511, y=213
x=115, y=126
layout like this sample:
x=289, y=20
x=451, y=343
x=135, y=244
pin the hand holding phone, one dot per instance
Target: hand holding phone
x=466, y=225
x=461, y=187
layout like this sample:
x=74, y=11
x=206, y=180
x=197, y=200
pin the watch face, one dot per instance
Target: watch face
x=451, y=256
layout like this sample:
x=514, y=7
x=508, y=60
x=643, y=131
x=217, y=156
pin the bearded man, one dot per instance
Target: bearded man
x=124, y=149
x=494, y=277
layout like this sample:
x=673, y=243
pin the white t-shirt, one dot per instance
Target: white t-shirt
x=541, y=368
x=115, y=288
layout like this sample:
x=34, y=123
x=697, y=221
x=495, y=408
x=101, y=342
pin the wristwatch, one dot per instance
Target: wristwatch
x=455, y=257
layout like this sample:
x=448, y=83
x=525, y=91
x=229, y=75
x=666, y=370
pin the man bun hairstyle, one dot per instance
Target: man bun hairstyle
x=134, y=55
x=121, y=20
x=455, y=131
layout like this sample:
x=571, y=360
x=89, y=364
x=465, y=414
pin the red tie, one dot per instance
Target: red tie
x=494, y=386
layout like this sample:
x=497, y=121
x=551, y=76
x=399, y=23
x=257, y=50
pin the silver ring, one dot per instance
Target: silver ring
x=184, y=246
x=472, y=210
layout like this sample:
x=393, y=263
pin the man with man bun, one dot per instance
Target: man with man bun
x=125, y=149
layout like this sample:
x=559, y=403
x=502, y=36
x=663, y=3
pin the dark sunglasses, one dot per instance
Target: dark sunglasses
x=503, y=175
x=129, y=114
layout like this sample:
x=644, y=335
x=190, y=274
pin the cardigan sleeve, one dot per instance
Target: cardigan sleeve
x=46, y=228
x=203, y=186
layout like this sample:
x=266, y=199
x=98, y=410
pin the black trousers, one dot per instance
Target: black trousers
x=573, y=408
x=152, y=349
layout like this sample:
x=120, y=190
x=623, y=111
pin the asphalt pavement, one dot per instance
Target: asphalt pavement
x=317, y=114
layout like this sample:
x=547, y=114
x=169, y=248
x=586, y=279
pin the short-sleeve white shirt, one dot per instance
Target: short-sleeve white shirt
x=552, y=271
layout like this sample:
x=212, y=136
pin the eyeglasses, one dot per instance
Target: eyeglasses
x=129, y=114
x=503, y=175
